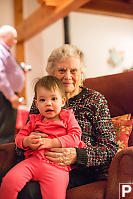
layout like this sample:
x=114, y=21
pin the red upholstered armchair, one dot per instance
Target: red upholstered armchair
x=118, y=90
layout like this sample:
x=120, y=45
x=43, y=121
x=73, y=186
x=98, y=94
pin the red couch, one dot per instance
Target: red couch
x=118, y=90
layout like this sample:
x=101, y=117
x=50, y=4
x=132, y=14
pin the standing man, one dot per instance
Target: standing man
x=11, y=81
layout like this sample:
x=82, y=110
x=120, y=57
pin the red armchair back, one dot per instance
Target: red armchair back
x=117, y=89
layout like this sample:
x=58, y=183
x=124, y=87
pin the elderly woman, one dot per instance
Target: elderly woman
x=90, y=108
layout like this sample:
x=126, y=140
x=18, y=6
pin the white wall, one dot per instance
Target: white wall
x=94, y=34
x=7, y=12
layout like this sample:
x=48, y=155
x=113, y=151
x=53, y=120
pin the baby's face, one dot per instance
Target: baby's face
x=49, y=103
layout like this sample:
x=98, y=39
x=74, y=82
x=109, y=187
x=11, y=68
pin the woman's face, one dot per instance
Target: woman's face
x=69, y=72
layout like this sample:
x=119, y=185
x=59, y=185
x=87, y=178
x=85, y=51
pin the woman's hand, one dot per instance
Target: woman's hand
x=34, y=140
x=62, y=156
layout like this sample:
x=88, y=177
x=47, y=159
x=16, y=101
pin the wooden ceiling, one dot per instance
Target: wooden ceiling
x=52, y=10
x=116, y=8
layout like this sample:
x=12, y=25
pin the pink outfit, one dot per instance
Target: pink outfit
x=53, y=178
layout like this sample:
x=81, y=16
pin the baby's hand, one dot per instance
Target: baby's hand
x=45, y=143
x=32, y=141
x=43, y=135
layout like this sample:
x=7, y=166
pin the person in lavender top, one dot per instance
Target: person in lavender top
x=11, y=82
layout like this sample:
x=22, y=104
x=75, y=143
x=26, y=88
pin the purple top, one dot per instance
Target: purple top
x=11, y=75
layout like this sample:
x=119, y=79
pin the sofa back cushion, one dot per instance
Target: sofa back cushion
x=117, y=89
x=123, y=128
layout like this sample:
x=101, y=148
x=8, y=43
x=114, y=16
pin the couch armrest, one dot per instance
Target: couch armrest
x=7, y=157
x=120, y=171
x=95, y=190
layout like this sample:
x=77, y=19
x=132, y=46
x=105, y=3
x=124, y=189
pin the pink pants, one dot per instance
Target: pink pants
x=53, y=181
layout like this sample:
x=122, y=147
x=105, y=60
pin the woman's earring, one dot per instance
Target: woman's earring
x=82, y=80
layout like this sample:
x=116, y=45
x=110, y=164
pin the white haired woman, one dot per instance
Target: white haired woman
x=90, y=108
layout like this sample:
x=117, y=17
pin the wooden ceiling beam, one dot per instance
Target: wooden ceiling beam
x=18, y=18
x=45, y=16
x=115, y=8
x=50, y=2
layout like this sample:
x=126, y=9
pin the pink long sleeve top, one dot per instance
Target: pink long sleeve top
x=67, y=130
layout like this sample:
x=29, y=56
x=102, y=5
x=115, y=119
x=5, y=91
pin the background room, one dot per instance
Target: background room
x=103, y=107
x=96, y=35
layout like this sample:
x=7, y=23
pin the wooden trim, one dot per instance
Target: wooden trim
x=113, y=8
x=45, y=16
x=18, y=17
x=50, y=2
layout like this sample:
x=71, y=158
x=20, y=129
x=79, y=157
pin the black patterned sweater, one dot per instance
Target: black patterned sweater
x=91, y=111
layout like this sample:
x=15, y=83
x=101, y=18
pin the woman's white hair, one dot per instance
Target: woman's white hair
x=6, y=29
x=62, y=53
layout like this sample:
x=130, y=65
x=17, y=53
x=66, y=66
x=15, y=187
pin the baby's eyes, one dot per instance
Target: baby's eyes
x=42, y=100
x=54, y=98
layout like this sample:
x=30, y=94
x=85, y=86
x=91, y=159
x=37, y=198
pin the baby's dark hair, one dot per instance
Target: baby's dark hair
x=51, y=83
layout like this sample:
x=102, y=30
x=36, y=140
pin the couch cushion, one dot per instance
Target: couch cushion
x=117, y=89
x=123, y=129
